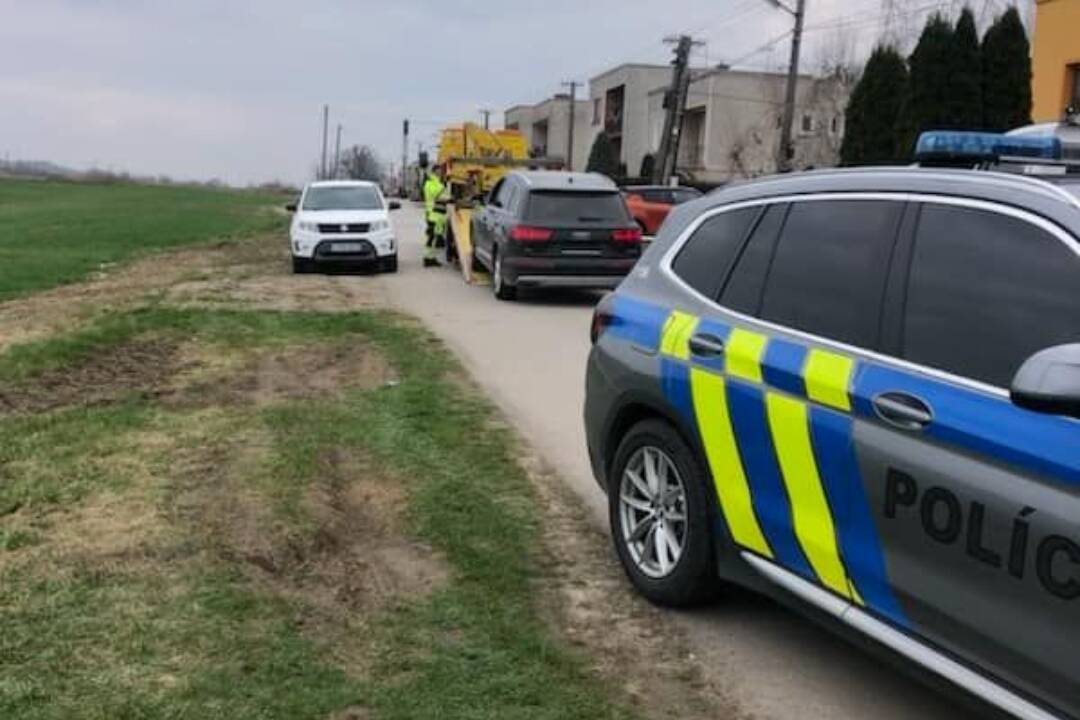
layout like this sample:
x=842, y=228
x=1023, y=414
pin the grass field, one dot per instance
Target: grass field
x=58, y=232
x=192, y=527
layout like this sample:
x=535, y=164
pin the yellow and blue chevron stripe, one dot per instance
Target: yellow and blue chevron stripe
x=774, y=421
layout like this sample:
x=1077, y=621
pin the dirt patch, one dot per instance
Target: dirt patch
x=253, y=273
x=118, y=286
x=266, y=377
x=349, y=559
x=137, y=367
x=275, y=289
x=356, y=556
x=590, y=605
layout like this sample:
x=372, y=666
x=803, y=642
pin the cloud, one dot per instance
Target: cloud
x=234, y=89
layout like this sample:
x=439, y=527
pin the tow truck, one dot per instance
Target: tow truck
x=475, y=159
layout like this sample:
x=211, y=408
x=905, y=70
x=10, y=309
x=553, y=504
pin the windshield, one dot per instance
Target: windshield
x=342, y=198
x=552, y=208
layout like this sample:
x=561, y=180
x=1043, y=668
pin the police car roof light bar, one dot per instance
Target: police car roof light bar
x=962, y=147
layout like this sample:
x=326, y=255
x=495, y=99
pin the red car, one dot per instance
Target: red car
x=650, y=204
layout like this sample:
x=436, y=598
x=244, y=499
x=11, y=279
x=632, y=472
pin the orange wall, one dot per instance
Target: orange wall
x=1057, y=46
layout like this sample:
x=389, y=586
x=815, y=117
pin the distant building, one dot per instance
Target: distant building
x=620, y=108
x=731, y=128
x=1056, y=62
x=546, y=127
x=732, y=124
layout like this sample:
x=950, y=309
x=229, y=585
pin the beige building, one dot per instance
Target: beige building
x=732, y=123
x=731, y=128
x=546, y=127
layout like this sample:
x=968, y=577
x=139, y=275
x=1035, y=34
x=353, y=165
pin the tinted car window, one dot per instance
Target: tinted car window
x=828, y=275
x=496, y=191
x=705, y=259
x=743, y=290
x=555, y=207
x=986, y=292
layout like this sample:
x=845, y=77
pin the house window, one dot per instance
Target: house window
x=836, y=125
x=807, y=123
x=597, y=111
x=1074, y=88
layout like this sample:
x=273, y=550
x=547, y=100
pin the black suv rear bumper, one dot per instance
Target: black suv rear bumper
x=567, y=272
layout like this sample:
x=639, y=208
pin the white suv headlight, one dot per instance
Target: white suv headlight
x=308, y=227
x=380, y=225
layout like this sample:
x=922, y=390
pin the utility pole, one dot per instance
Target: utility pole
x=675, y=104
x=487, y=118
x=404, y=153
x=337, y=152
x=573, y=85
x=786, y=152
x=325, y=130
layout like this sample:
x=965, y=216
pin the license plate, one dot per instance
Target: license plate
x=348, y=247
x=582, y=235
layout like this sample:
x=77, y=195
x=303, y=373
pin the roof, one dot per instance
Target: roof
x=557, y=180
x=638, y=188
x=629, y=66
x=1038, y=196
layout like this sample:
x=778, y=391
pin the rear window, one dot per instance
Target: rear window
x=553, y=207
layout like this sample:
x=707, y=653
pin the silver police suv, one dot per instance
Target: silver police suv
x=858, y=392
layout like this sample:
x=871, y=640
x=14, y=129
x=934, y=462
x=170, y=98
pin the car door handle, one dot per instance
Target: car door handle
x=706, y=345
x=903, y=411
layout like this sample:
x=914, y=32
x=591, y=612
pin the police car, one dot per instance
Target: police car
x=858, y=392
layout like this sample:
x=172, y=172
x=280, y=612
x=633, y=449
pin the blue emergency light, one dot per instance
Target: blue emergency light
x=959, y=147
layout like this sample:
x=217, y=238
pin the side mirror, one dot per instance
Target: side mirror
x=291, y=207
x=394, y=205
x=1049, y=382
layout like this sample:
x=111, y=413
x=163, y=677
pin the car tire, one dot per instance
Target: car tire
x=301, y=266
x=389, y=265
x=499, y=286
x=689, y=576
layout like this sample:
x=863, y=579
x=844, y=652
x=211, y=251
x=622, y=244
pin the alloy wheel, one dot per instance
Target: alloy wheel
x=652, y=511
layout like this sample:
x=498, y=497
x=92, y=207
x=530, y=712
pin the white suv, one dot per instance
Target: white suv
x=342, y=223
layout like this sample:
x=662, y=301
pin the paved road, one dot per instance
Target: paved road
x=530, y=356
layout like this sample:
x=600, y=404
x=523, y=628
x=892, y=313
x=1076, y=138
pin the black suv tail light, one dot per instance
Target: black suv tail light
x=527, y=233
x=627, y=235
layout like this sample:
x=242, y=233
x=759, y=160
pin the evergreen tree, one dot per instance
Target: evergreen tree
x=965, y=75
x=927, y=103
x=870, y=117
x=602, y=158
x=648, y=163
x=1006, y=78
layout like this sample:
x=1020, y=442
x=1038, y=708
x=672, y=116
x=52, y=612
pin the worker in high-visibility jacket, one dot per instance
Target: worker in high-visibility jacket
x=435, y=215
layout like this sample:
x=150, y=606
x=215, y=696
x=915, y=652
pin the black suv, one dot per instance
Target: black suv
x=555, y=229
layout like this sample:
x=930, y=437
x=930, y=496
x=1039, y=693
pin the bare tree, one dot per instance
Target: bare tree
x=360, y=163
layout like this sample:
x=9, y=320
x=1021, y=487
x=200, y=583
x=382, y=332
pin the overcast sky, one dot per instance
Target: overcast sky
x=233, y=88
